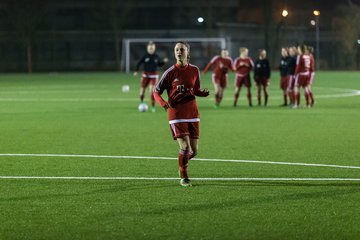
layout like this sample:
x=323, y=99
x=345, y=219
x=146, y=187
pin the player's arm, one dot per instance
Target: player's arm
x=161, y=62
x=206, y=69
x=197, y=91
x=256, y=70
x=141, y=61
x=268, y=70
x=234, y=66
x=251, y=64
x=231, y=65
x=297, y=69
x=158, y=90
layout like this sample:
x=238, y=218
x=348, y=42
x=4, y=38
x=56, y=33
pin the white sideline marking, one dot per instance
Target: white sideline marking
x=346, y=93
x=69, y=99
x=172, y=158
x=170, y=179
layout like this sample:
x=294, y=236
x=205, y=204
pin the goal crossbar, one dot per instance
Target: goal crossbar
x=128, y=41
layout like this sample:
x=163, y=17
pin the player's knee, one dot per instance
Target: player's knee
x=185, y=147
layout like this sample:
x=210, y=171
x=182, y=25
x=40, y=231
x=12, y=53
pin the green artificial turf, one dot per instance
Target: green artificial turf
x=87, y=113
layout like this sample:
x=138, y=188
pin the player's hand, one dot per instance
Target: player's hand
x=206, y=92
x=167, y=106
x=135, y=74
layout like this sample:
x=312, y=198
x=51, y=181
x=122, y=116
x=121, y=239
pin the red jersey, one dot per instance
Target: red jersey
x=221, y=65
x=243, y=66
x=303, y=64
x=312, y=63
x=182, y=85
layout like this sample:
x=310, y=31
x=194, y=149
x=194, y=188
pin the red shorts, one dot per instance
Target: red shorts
x=220, y=79
x=182, y=129
x=291, y=82
x=262, y=81
x=302, y=80
x=284, y=82
x=149, y=78
x=242, y=80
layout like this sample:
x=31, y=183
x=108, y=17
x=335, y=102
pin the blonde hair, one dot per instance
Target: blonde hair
x=243, y=49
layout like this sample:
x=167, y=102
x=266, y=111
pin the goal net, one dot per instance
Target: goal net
x=202, y=50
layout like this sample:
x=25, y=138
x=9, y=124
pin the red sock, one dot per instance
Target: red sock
x=297, y=96
x=142, y=97
x=285, y=99
x=307, y=98
x=266, y=98
x=220, y=98
x=183, y=163
x=236, y=96
x=259, y=98
x=191, y=154
x=291, y=97
x=249, y=99
x=311, y=95
x=217, y=98
x=152, y=100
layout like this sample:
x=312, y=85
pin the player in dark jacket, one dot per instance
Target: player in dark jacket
x=151, y=62
x=262, y=75
x=292, y=67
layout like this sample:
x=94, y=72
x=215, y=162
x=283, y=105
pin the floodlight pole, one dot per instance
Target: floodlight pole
x=317, y=32
x=317, y=43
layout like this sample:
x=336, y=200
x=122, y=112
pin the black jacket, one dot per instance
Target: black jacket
x=151, y=62
x=262, y=69
x=292, y=65
x=284, y=66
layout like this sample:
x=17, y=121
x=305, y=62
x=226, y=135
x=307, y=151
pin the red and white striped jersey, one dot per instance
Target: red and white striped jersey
x=303, y=64
x=182, y=85
x=221, y=65
x=243, y=66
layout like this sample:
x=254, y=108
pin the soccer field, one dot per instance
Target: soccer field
x=78, y=161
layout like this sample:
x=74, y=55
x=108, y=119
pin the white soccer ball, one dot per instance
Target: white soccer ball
x=143, y=107
x=125, y=88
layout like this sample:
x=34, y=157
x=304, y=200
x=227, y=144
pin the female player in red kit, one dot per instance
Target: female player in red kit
x=182, y=84
x=243, y=65
x=302, y=73
x=222, y=64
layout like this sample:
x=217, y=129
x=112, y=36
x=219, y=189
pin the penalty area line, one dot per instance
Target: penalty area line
x=172, y=158
x=173, y=179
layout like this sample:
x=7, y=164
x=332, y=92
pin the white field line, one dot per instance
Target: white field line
x=69, y=99
x=347, y=93
x=171, y=179
x=172, y=158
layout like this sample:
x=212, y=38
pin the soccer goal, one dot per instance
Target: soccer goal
x=202, y=49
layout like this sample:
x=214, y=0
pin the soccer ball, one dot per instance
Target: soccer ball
x=143, y=107
x=125, y=88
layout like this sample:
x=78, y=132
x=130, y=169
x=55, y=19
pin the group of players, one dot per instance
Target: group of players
x=296, y=71
x=182, y=84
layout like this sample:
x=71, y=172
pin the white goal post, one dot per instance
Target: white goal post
x=126, y=45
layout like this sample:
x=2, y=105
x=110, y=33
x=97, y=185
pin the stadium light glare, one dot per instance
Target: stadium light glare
x=312, y=22
x=316, y=12
x=200, y=19
x=285, y=13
